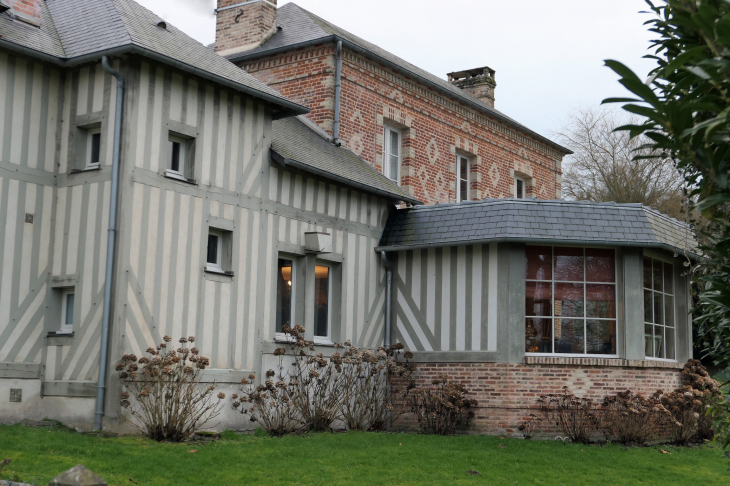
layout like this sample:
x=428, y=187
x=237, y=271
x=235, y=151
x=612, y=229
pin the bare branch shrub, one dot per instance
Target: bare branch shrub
x=630, y=418
x=170, y=403
x=527, y=427
x=576, y=418
x=442, y=408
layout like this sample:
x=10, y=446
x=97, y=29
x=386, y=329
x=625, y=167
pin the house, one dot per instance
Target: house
x=151, y=187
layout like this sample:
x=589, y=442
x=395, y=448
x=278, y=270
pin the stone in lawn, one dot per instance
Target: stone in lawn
x=77, y=476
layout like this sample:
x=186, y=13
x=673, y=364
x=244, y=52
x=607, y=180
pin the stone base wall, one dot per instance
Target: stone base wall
x=507, y=393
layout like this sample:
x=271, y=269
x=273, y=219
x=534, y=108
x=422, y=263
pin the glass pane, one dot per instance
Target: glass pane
x=600, y=266
x=601, y=337
x=537, y=299
x=669, y=311
x=569, y=264
x=463, y=191
x=394, y=144
x=538, y=263
x=463, y=168
x=659, y=342
x=601, y=301
x=568, y=300
x=647, y=272
x=284, y=289
x=393, y=168
x=657, y=276
x=69, y=309
x=520, y=191
x=569, y=336
x=669, y=335
x=175, y=156
x=538, y=335
x=213, y=249
x=321, y=300
x=95, y=148
x=649, y=341
x=668, y=279
x=648, y=306
x=658, y=304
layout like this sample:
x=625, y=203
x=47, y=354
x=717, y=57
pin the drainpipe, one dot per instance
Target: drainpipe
x=338, y=89
x=101, y=385
x=388, y=292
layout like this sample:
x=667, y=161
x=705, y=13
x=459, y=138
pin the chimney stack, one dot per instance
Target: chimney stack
x=28, y=11
x=479, y=82
x=242, y=25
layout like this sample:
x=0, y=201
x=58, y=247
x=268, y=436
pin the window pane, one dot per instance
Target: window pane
x=520, y=189
x=601, y=301
x=647, y=272
x=321, y=300
x=213, y=249
x=538, y=262
x=538, y=335
x=394, y=143
x=568, y=300
x=95, y=148
x=657, y=276
x=69, y=309
x=393, y=169
x=600, y=266
x=659, y=342
x=284, y=287
x=463, y=191
x=668, y=280
x=658, y=304
x=648, y=315
x=601, y=337
x=649, y=340
x=537, y=299
x=569, y=264
x=463, y=168
x=569, y=336
x=668, y=311
x=175, y=156
x=669, y=336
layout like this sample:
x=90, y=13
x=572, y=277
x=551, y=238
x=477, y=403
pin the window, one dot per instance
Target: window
x=519, y=188
x=214, y=261
x=658, y=309
x=322, y=302
x=391, y=152
x=176, y=153
x=93, y=148
x=462, y=178
x=67, y=311
x=285, y=286
x=570, y=301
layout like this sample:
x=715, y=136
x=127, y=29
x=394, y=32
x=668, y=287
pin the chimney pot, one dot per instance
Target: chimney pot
x=480, y=82
x=242, y=25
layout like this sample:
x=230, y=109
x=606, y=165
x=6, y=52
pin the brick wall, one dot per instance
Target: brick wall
x=27, y=9
x=243, y=27
x=434, y=127
x=507, y=393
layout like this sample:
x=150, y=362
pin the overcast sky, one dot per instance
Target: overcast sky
x=548, y=55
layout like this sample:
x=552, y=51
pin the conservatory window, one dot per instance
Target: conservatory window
x=659, y=329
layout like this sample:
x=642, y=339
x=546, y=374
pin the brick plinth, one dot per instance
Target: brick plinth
x=507, y=393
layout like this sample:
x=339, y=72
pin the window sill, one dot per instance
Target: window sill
x=86, y=169
x=66, y=334
x=323, y=342
x=59, y=338
x=600, y=361
x=178, y=177
x=218, y=271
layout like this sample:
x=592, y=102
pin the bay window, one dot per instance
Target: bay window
x=658, y=309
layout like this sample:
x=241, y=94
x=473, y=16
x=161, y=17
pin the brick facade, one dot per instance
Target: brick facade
x=507, y=393
x=27, y=9
x=241, y=27
x=434, y=127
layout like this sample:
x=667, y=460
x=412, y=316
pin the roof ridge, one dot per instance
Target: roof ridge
x=47, y=13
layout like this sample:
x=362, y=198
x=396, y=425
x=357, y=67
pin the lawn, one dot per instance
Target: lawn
x=39, y=454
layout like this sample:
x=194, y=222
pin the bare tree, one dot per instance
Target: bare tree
x=603, y=167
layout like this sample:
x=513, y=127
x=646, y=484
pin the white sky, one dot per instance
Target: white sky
x=548, y=55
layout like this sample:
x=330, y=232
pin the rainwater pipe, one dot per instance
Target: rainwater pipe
x=111, y=238
x=338, y=90
x=388, y=295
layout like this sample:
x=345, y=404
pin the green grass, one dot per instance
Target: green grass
x=354, y=458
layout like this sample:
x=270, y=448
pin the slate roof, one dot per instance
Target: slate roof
x=532, y=220
x=301, y=26
x=295, y=143
x=72, y=29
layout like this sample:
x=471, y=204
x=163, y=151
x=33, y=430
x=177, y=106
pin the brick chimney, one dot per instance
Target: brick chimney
x=479, y=82
x=28, y=11
x=242, y=25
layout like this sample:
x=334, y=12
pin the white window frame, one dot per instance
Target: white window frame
x=524, y=188
x=216, y=267
x=467, y=161
x=280, y=336
x=386, y=151
x=65, y=327
x=89, y=137
x=659, y=258
x=177, y=174
x=585, y=283
x=328, y=338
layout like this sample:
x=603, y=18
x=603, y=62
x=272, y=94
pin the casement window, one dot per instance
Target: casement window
x=218, y=254
x=463, y=178
x=322, y=303
x=659, y=328
x=519, y=188
x=285, y=291
x=180, y=157
x=570, y=301
x=93, y=148
x=392, y=153
x=67, y=312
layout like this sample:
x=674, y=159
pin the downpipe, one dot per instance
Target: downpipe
x=386, y=340
x=110, y=246
x=338, y=92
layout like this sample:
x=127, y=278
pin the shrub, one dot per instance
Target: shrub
x=630, y=418
x=527, y=427
x=441, y=408
x=575, y=417
x=271, y=405
x=696, y=376
x=170, y=404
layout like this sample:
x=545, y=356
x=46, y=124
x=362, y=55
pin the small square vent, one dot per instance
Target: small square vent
x=16, y=395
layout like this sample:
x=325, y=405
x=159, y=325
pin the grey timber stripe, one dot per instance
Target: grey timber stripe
x=9, y=100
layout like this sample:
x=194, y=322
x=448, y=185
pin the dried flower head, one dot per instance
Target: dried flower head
x=183, y=340
x=167, y=339
x=191, y=339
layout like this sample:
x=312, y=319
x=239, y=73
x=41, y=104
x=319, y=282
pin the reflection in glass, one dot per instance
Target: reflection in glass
x=648, y=306
x=668, y=311
x=601, y=301
x=648, y=340
x=538, y=263
x=657, y=276
x=669, y=336
x=569, y=264
x=647, y=273
x=321, y=300
x=658, y=308
x=568, y=300
x=538, y=299
x=601, y=336
x=569, y=336
x=600, y=265
x=659, y=342
x=284, y=286
x=538, y=335
x=668, y=280
x=69, y=309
